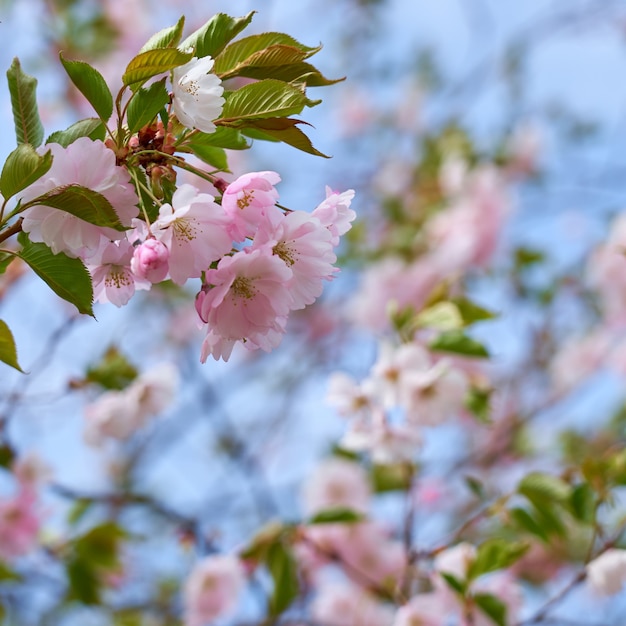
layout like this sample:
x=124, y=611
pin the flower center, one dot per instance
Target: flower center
x=118, y=277
x=243, y=288
x=191, y=87
x=245, y=200
x=184, y=229
x=285, y=252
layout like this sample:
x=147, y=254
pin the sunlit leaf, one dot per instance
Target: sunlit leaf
x=92, y=85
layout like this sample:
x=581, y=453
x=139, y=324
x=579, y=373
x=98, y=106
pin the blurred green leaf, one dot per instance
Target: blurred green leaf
x=8, y=350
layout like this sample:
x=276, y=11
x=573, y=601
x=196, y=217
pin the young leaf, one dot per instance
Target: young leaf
x=22, y=168
x=282, y=566
x=67, y=277
x=478, y=402
x=153, y=62
x=82, y=202
x=237, y=53
x=265, y=99
x=281, y=129
x=539, y=487
x=524, y=520
x=442, y=316
x=145, y=105
x=457, y=342
x=166, y=38
x=456, y=584
x=495, y=554
x=472, y=312
x=212, y=38
x=22, y=88
x=583, y=503
x=92, y=85
x=91, y=127
x=339, y=515
x=8, y=351
x=113, y=371
x=492, y=607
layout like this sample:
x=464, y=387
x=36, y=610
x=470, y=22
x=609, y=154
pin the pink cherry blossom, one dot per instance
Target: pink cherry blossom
x=249, y=201
x=92, y=165
x=111, y=275
x=212, y=589
x=246, y=300
x=19, y=524
x=337, y=483
x=194, y=230
x=425, y=609
x=305, y=246
x=150, y=261
x=335, y=213
x=348, y=605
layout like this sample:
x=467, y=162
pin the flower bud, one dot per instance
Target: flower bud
x=151, y=261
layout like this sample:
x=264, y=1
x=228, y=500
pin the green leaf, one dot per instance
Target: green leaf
x=495, y=554
x=216, y=157
x=100, y=545
x=153, y=62
x=84, y=581
x=5, y=261
x=456, y=584
x=8, y=351
x=22, y=88
x=259, y=546
x=492, y=607
x=265, y=99
x=524, y=520
x=391, y=477
x=284, y=49
x=457, y=342
x=284, y=571
x=82, y=202
x=281, y=129
x=471, y=312
x=92, y=85
x=145, y=105
x=22, y=168
x=582, y=503
x=91, y=127
x=113, y=371
x=478, y=401
x=539, y=487
x=442, y=316
x=340, y=515
x=166, y=38
x=145, y=198
x=7, y=455
x=67, y=277
x=211, y=38
x=78, y=510
x=223, y=137
x=6, y=573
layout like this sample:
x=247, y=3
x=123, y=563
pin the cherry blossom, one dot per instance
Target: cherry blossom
x=212, y=589
x=150, y=261
x=335, y=213
x=19, y=524
x=197, y=94
x=193, y=228
x=606, y=574
x=89, y=164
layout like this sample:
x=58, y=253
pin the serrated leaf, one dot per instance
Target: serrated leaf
x=213, y=156
x=281, y=129
x=153, y=62
x=339, y=515
x=8, y=351
x=238, y=52
x=67, y=277
x=492, y=607
x=82, y=202
x=145, y=105
x=268, y=59
x=457, y=342
x=264, y=99
x=91, y=127
x=23, y=88
x=166, y=38
x=284, y=571
x=223, y=137
x=211, y=38
x=495, y=554
x=22, y=168
x=91, y=84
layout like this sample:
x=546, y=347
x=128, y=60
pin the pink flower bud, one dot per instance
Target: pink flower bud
x=151, y=261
